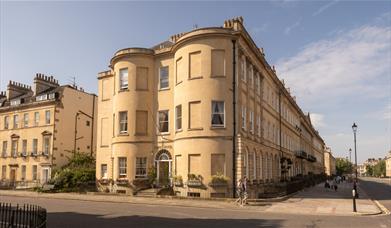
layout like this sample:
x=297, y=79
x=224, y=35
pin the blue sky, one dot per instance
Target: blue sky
x=335, y=55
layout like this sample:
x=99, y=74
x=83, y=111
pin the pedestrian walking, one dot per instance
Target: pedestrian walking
x=239, y=191
x=244, y=190
x=335, y=184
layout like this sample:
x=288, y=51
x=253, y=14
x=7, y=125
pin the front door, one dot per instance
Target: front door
x=13, y=177
x=45, y=176
x=164, y=173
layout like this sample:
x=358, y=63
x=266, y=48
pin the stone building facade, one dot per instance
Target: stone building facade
x=169, y=110
x=329, y=162
x=388, y=164
x=40, y=127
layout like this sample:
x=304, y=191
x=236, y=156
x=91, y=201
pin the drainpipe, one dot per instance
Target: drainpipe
x=92, y=124
x=234, y=118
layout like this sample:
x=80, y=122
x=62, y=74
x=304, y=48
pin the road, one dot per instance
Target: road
x=378, y=189
x=77, y=213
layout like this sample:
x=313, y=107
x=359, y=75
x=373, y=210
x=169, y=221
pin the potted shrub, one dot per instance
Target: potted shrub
x=152, y=176
x=194, y=180
x=178, y=181
x=105, y=181
x=219, y=180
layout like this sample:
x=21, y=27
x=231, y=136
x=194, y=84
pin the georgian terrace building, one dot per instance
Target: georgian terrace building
x=40, y=127
x=170, y=109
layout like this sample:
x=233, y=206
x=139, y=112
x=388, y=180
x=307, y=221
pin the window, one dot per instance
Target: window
x=3, y=172
x=217, y=164
x=163, y=121
x=42, y=97
x=141, y=167
x=14, y=148
x=195, y=115
x=47, y=116
x=141, y=122
x=26, y=120
x=251, y=75
x=46, y=145
x=87, y=123
x=4, y=150
x=195, y=65
x=16, y=121
x=23, y=173
x=35, y=146
x=218, y=114
x=24, y=147
x=218, y=63
x=178, y=117
x=36, y=118
x=123, y=78
x=259, y=125
x=122, y=167
x=163, y=78
x=103, y=171
x=15, y=102
x=6, y=122
x=35, y=172
x=255, y=165
x=142, y=78
x=258, y=81
x=244, y=118
x=251, y=121
x=123, y=122
x=243, y=67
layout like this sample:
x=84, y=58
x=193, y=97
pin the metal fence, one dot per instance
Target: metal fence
x=26, y=216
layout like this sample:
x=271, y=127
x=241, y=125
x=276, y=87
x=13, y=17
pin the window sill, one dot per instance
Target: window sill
x=179, y=131
x=123, y=90
x=218, y=76
x=163, y=133
x=195, y=129
x=218, y=128
x=164, y=89
x=123, y=134
x=194, y=78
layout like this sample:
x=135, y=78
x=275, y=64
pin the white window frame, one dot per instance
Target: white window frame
x=251, y=121
x=141, y=165
x=35, y=146
x=14, y=147
x=178, y=118
x=122, y=168
x=36, y=118
x=123, y=78
x=103, y=175
x=46, y=145
x=123, y=122
x=6, y=122
x=244, y=117
x=24, y=147
x=163, y=121
x=218, y=113
x=25, y=120
x=16, y=121
x=47, y=117
x=161, y=79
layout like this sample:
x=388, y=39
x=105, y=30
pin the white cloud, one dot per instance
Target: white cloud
x=288, y=29
x=324, y=7
x=351, y=63
x=317, y=120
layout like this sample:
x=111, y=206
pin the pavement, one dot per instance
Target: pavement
x=312, y=201
x=322, y=201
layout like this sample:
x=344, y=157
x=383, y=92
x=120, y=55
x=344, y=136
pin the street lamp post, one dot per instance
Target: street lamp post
x=350, y=155
x=354, y=127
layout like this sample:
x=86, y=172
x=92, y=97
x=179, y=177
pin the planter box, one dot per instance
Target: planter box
x=194, y=183
x=122, y=182
x=218, y=184
x=178, y=183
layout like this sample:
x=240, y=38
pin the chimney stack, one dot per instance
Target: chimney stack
x=43, y=83
x=15, y=89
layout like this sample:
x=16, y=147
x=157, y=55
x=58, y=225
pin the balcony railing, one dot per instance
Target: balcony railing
x=301, y=154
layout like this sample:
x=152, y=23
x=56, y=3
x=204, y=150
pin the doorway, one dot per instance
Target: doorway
x=163, y=166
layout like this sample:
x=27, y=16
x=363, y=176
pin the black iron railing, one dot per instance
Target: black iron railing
x=26, y=216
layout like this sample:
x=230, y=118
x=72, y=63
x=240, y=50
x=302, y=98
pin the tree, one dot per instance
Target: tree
x=77, y=175
x=379, y=170
x=343, y=166
x=369, y=171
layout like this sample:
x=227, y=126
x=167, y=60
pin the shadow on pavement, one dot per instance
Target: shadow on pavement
x=377, y=190
x=75, y=220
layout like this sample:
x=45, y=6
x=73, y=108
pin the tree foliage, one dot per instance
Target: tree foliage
x=343, y=166
x=77, y=175
x=379, y=170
